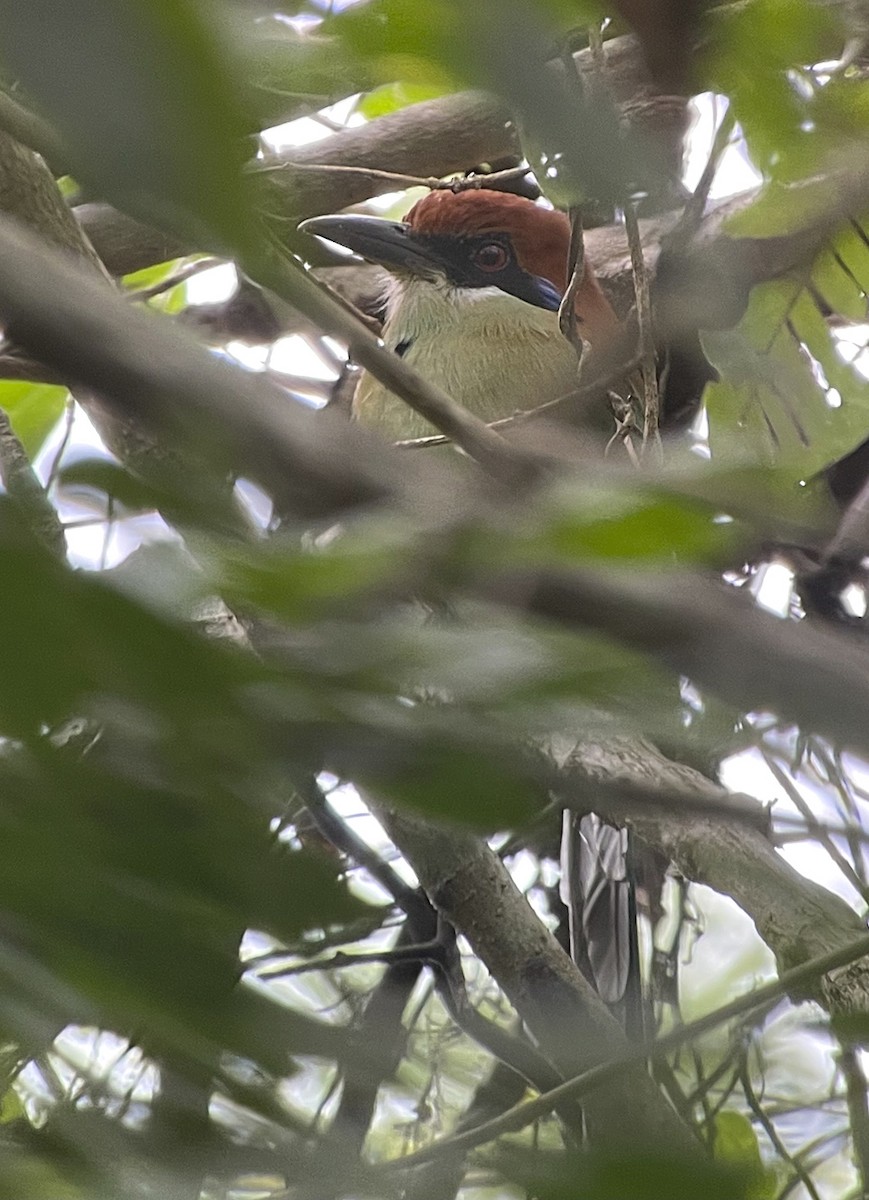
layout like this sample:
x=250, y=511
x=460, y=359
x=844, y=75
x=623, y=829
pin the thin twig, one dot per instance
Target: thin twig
x=858, y=1110
x=421, y=952
x=648, y=354
x=181, y=275
x=595, y=46
x=68, y=422
x=692, y=214
x=771, y=1132
x=567, y=322
x=798, y=800
x=460, y=184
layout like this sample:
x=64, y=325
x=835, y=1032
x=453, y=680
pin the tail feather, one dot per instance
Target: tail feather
x=599, y=889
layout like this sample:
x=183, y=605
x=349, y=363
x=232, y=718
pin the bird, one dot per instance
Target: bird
x=476, y=281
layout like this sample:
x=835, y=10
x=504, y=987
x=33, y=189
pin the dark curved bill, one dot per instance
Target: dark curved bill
x=390, y=244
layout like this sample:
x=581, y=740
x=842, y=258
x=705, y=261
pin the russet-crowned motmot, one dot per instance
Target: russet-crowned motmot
x=477, y=277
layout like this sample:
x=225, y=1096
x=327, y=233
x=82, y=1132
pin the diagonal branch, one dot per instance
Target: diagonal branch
x=523, y=1115
x=470, y=885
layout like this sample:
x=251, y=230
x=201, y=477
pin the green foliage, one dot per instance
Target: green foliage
x=144, y=98
x=759, y=52
x=145, y=763
x=636, y=1177
x=504, y=46
x=772, y=401
x=33, y=410
x=735, y=1145
x=391, y=97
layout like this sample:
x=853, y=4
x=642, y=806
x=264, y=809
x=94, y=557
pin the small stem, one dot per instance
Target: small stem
x=469, y=183
x=648, y=356
x=855, y=1088
x=575, y=274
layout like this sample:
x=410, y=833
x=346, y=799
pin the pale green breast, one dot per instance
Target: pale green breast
x=492, y=353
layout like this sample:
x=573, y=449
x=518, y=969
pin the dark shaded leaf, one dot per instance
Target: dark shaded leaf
x=144, y=98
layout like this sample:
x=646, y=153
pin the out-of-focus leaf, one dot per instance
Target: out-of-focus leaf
x=193, y=500
x=852, y=248
x=443, y=778
x=851, y=1028
x=616, y=519
x=757, y=53
x=646, y=528
x=553, y=1176
x=837, y=287
x=173, y=299
x=776, y=368
x=149, y=276
x=131, y=874
x=296, y=585
x=391, y=97
x=145, y=99
x=505, y=47
x=11, y=1107
x=782, y=209
x=736, y=1146
x=33, y=410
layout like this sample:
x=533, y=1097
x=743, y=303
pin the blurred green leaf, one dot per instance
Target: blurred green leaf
x=391, y=97
x=617, y=518
x=11, y=1107
x=505, y=47
x=837, y=287
x=772, y=400
x=145, y=99
x=644, y=527
x=33, y=410
x=298, y=584
x=650, y=1176
x=735, y=1144
x=756, y=58
x=173, y=489
x=851, y=1028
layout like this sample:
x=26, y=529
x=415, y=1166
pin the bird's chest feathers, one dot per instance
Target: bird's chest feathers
x=487, y=349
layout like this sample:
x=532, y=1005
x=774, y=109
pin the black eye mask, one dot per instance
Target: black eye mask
x=488, y=260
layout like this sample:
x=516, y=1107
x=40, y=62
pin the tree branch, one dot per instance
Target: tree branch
x=797, y=918
x=470, y=885
x=524, y=1114
x=716, y=637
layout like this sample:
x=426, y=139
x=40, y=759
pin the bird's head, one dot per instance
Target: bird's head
x=477, y=238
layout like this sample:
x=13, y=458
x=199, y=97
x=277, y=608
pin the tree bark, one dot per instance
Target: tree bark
x=470, y=885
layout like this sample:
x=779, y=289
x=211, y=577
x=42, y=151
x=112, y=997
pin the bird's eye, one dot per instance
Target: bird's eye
x=491, y=257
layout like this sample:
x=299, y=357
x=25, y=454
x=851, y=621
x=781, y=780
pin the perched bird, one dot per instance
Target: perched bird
x=476, y=280
x=477, y=277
